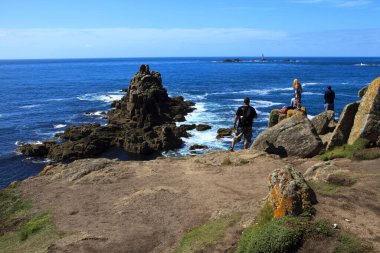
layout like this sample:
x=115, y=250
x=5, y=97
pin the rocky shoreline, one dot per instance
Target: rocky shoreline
x=142, y=122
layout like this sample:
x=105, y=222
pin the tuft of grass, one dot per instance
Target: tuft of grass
x=333, y=184
x=283, y=234
x=324, y=188
x=279, y=235
x=34, y=225
x=207, y=235
x=345, y=151
x=13, y=210
x=349, y=244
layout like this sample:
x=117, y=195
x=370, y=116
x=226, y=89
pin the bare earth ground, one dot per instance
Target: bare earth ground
x=113, y=206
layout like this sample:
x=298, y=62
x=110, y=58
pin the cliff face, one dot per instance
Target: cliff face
x=142, y=122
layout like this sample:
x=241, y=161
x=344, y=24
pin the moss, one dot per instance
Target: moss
x=350, y=244
x=345, y=151
x=207, y=235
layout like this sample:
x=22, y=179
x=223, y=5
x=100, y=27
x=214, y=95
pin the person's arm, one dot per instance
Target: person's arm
x=235, y=120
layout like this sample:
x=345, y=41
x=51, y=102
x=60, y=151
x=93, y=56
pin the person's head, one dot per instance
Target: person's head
x=329, y=87
x=296, y=83
x=246, y=101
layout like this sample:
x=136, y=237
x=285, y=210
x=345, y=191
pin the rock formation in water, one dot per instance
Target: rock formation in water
x=142, y=122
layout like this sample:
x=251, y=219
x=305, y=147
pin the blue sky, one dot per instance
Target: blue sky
x=116, y=28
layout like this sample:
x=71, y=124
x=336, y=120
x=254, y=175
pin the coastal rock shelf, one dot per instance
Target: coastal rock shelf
x=142, y=122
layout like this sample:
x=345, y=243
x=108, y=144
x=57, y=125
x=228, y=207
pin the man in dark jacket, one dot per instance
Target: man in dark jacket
x=245, y=115
x=329, y=99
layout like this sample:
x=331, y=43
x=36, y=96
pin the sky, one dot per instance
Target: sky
x=35, y=29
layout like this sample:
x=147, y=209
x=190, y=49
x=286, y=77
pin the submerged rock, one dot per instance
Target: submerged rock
x=142, y=122
x=202, y=127
x=294, y=136
x=197, y=146
x=224, y=132
x=289, y=194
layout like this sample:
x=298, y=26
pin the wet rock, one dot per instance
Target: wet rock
x=322, y=121
x=367, y=119
x=224, y=132
x=202, y=127
x=289, y=193
x=343, y=128
x=294, y=136
x=196, y=146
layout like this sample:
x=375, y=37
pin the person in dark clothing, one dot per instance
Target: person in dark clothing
x=245, y=115
x=329, y=99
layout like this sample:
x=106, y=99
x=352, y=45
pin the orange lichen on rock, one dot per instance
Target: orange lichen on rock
x=289, y=192
x=46, y=170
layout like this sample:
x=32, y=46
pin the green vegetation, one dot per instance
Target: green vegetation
x=345, y=151
x=280, y=234
x=13, y=210
x=335, y=182
x=207, y=235
x=21, y=231
x=349, y=244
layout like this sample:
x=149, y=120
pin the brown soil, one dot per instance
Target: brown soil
x=113, y=206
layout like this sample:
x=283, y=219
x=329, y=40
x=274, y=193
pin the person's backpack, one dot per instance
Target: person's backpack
x=248, y=114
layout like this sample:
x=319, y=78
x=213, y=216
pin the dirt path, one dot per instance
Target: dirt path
x=148, y=206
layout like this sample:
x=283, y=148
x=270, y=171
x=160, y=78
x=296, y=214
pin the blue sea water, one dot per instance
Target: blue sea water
x=39, y=98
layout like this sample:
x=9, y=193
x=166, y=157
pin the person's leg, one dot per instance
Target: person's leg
x=236, y=140
x=247, y=138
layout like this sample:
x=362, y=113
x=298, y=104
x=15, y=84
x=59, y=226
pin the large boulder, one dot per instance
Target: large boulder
x=322, y=121
x=289, y=193
x=343, y=128
x=293, y=136
x=362, y=91
x=224, y=132
x=367, y=119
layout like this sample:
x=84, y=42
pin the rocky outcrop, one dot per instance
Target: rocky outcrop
x=142, y=122
x=294, y=136
x=197, y=146
x=367, y=119
x=224, y=132
x=343, y=128
x=202, y=127
x=289, y=194
x=322, y=121
x=277, y=115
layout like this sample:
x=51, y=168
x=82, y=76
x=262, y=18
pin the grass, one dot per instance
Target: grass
x=20, y=230
x=13, y=210
x=350, y=244
x=207, y=235
x=283, y=234
x=345, y=151
x=335, y=182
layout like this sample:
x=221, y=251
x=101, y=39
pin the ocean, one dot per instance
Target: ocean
x=39, y=98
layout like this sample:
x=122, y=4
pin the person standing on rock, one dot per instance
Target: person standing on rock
x=297, y=91
x=329, y=99
x=245, y=115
